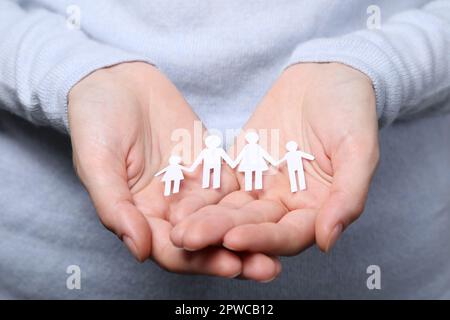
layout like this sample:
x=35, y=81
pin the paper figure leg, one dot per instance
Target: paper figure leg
x=258, y=180
x=167, y=186
x=216, y=178
x=248, y=175
x=206, y=177
x=293, y=180
x=176, y=186
x=301, y=180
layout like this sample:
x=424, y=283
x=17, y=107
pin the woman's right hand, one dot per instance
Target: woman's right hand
x=121, y=121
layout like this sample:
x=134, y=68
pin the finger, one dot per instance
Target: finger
x=259, y=267
x=354, y=165
x=108, y=188
x=192, y=202
x=232, y=200
x=211, y=261
x=209, y=225
x=195, y=199
x=236, y=199
x=291, y=235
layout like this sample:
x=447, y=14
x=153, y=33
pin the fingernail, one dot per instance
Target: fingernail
x=190, y=249
x=279, y=267
x=227, y=246
x=267, y=281
x=131, y=246
x=235, y=275
x=333, y=237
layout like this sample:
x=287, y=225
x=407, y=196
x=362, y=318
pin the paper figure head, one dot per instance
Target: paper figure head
x=174, y=160
x=213, y=141
x=251, y=137
x=291, y=146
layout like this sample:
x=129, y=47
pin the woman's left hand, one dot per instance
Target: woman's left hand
x=329, y=109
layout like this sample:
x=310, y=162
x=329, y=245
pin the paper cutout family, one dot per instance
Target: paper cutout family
x=252, y=161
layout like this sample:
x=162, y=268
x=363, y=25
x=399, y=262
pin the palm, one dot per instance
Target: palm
x=325, y=122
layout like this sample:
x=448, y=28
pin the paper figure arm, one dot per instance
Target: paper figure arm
x=307, y=155
x=161, y=172
x=197, y=162
x=268, y=157
x=238, y=159
x=281, y=161
x=226, y=158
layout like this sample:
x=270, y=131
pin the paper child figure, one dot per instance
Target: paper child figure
x=253, y=158
x=294, y=159
x=173, y=173
x=212, y=157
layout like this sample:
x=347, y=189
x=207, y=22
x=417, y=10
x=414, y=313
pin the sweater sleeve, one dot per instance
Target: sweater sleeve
x=41, y=59
x=407, y=59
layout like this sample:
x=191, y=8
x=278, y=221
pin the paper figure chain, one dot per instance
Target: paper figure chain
x=252, y=161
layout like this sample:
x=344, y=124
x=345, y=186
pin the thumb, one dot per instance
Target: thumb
x=105, y=178
x=354, y=165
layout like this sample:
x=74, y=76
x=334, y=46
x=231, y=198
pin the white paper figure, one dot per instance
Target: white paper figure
x=253, y=159
x=294, y=159
x=212, y=157
x=173, y=173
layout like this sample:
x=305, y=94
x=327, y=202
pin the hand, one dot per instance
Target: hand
x=329, y=109
x=121, y=121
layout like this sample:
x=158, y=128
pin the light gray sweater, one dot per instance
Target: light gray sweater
x=223, y=56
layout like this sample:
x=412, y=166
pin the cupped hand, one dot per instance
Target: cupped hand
x=121, y=120
x=329, y=110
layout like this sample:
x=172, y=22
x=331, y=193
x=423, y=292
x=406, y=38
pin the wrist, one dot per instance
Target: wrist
x=133, y=76
x=335, y=70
